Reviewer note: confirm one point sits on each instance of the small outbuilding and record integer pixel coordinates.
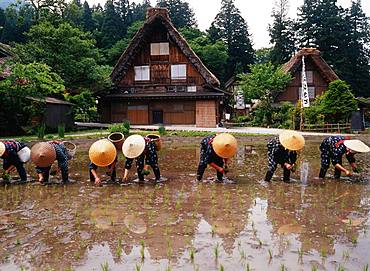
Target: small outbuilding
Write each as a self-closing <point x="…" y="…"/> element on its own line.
<point x="319" y="74"/>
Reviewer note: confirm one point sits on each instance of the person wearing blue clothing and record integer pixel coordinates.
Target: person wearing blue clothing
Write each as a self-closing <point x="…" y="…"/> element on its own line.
<point x="332" y="150"/>
<point x="215" y="151"/>
<point x="110" y="172"/>
<point x="282" y="151"/>
<point x="9" y="153"/>
<point x="143" y="151"/>
<point x="62" y="156"/>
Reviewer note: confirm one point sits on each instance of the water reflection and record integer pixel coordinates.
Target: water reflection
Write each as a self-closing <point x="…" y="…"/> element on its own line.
<point x="297" y="225"/>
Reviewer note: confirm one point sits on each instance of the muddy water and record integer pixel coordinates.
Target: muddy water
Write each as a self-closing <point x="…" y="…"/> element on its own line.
<point x="184" y="225"/>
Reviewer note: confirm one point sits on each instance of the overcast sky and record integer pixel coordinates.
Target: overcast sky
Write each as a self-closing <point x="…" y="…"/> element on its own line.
<point x="257" y="13"/>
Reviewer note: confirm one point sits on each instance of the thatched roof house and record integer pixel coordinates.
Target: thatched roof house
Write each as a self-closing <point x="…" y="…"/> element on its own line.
<point x="160" y="79"/>
<point x="319" y="75"/>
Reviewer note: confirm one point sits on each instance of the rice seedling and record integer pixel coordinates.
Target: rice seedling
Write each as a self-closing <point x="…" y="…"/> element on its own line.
<point x="119" y="251"/>
<point x="345" y="255"/>
<point x="243" y="256"/>
<point x="260" y="244"/>
<point x="366" y="267"/>
<point x="142" y="250"/>
<point x="324" y="253"/>
<point x="213" y="230"/>
<point x="270" y="254"/>
<point x="300" y="255"/>
<point x="222" y="267"/>
<point x="77" y="255"/>
<point x="354" y="240"/>
<point x="137" y="267"/>
<point x="168" y="268"/>
<point x="248" y="268"/>
<point x="282" y="267"/>
<point x="216" y="251"/>
<point x="169" y="249"/>
<point x="191" y="254"/>
<point x="17" y="242"/>
<point x="341" y="268"/>
<point x="104" y="266"/>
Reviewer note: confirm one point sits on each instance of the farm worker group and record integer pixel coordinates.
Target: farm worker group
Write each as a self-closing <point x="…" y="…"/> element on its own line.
<point x="215" y="151"/>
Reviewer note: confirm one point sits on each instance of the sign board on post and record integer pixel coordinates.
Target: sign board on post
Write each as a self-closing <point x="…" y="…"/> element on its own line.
<point x="305" y="96"/>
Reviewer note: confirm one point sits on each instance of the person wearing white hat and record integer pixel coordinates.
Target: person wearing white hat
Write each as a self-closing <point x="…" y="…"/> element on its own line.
<point x="9" y="151"/>
<point x="143" y="150"/>
<point x="333" y="148"/>
<point x="282" y="151"/>
<point x="45" y="160"/>
<point x="215" y="151"/>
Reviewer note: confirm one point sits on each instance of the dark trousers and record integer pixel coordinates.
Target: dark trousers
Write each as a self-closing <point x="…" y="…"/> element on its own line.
<point x="286" y="174"/>
<point x="202" y="167"/>
<point x="18" y="165"/>
<point x="45" y="171"/>
<point x="155" y="167"/>
<point x="112" y="175"/>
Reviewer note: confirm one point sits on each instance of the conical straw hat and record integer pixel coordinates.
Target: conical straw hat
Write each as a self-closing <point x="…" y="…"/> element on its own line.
<point x="2" y="148"/>
<point x="225" y="145"/>
<point x="43" y="154"/>
<point x="24" y="154"/>
<point x="133" y="146"/>
<point x="356" y="145"/>
<point x="102" y="153"/>
<point x="292" y="140"/>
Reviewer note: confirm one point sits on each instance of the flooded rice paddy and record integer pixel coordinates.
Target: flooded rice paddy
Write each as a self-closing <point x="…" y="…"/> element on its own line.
<point x="184" y="225"/>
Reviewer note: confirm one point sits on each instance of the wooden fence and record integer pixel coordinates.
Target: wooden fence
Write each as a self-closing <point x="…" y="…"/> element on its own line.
<point x="327" y="127"/>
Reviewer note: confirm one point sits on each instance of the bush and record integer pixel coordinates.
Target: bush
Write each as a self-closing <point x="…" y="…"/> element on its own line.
<point x="161" y="130"/>
<point x="241" y="119"/>
<point x="61" y="130"/>
<point x="123" y="128"/>
<point x="40" y="131"/>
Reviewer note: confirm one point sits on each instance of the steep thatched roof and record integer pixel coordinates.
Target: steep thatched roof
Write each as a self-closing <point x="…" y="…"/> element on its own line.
<point x="314" y="54"/>
<point x="155" y="15"/>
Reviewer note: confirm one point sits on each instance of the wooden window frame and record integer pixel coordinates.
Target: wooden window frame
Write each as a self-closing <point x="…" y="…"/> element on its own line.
<point x="139" y="72"/>
<point x="160" y="49"/>
<point x="175" y="72"/>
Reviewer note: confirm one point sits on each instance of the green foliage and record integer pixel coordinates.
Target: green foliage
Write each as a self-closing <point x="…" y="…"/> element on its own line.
<point x="61" y="130"/>
<point x="40" y="131"/>
<point x="26" y="81"/>
<point x="123" y="128"/>
<point x="180" y="12"/>
<point x="282" y="34"/>
<point x="68" y="50"/>
<point x="264" y="82"/>
<point x="230" y="27"/>
<point x="337" y="102"/>
<point x="85" y="106"/>
<point x="161" y="129"/>
<point x="213" y="54"/>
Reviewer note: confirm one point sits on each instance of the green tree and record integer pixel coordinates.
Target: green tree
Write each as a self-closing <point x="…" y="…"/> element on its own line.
<point x="113" y="53"/>
<point x="69" y="51"/>
<point x="112" y="26"/>
<point x="138" y="11"/>
<point x="18" y="20"/>
<point x="357" y="51"/>
<point x="73" y="13"/>
<point x="230" y="27"/>
<point x="337" y="103"/>
<point x="88" y="23"/>
<point x="180" y="12"/>
<point x="281" y="33"/>
<point x="26" y="81"/>
<point x="85" y="106"/>
<point x="263" y="55"/>
<point x="264" y="82"/>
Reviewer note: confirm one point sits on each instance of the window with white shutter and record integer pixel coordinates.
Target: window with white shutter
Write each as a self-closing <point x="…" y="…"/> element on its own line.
<point x="142" y="73"/>
<point x="178" y="72"/>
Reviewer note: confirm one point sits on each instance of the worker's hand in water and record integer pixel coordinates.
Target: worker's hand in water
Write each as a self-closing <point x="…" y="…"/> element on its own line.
<point x="41" y="179"/>
<point x="288" y="166"/>
<point x="348" y="173"/>
<point x="221" y="170"/>
<point x="97" y="181"/>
